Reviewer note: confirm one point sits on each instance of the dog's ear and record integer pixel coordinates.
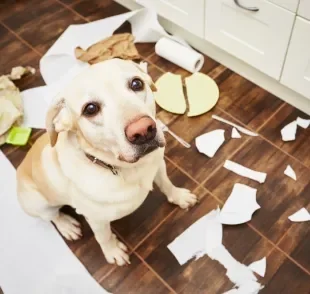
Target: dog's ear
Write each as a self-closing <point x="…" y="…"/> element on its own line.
<point x="142" y="66"/>
<point x="58" y="119"/>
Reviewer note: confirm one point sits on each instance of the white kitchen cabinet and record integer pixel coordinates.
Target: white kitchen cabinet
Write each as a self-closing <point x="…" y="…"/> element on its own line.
<point x="304" y="9"/>
<point x="296" y="72"/>
<point x="288" y="4"/>
<point x="258" y="38"/>
<point x="185" y="13"/>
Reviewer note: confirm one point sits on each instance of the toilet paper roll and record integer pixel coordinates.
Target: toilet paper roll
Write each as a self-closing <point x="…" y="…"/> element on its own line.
<point x="180" y="55"/>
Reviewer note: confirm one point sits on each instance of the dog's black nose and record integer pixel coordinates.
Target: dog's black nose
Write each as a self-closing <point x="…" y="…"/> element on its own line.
<point x="141" y="131"/>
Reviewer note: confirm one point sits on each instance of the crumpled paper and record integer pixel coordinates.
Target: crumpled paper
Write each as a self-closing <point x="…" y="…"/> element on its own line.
<point x="116" y="46"/>
<point x="11" y="104"/>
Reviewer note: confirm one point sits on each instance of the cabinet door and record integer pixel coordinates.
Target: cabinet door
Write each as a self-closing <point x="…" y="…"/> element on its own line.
<point x="288" y="4"/>
<point x="296" y="72"/>
<point x="187" y="14"/>
<point x="304" y="9"/>
<point x="259" y="38"/>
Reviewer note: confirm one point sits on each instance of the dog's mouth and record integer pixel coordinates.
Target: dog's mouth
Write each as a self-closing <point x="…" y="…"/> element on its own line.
<point x="143" y="150"/>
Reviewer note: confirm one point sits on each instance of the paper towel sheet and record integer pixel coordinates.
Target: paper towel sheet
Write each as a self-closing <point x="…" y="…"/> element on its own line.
<point x="33" y="257"/>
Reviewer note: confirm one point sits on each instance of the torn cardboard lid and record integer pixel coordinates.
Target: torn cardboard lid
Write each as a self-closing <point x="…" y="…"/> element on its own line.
<point x="116" y="46"/>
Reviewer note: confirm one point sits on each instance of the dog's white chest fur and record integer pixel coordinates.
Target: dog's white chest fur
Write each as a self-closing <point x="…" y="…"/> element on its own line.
<point x="99" y="194"/>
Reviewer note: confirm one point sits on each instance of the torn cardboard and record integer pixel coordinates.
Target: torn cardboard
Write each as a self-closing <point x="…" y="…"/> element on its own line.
<point x="116" y="46"/>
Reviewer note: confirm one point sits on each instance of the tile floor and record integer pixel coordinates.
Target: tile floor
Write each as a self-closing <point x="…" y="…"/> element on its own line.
<point x="28" y="28"/>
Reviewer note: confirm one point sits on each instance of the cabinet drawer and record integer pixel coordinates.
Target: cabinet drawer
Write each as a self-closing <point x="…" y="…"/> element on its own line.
<point x="296" y="71"/>
<point x="187" y="14"/>
<point x="259" y="38"/>
<point x="304" y="9"/>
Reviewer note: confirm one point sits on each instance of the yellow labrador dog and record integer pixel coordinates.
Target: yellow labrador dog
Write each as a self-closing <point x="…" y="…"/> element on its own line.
<point x="101" y="154"/>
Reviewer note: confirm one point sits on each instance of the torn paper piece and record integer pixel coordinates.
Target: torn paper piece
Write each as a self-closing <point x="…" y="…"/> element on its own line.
<point x="51" y="265"/>
<point x="245" y="172"/>
<point x="259" y="266"/>
<point x="289" y="131"/>
<point x="290" y="172"/>
<point x="202" y="93"/>
<point x="19" y="71"/>
<point x="235" y="134"/>
<point x="240" y="205"/>
<point x="169" y="94"/>
<point x="239" y="128"/>
<point x="209" y="143"/>
<point x="304" y="123"/>
<point x="204" y="235"/>
<point x="237" y="272"/>
<point x="301" y="215"/>
<point x="116" y="46"/>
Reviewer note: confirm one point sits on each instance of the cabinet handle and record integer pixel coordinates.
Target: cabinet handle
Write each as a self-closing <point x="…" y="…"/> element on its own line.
<point x="245" y="7"/>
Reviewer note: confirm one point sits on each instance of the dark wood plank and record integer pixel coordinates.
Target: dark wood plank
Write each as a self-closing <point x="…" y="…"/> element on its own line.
<point x="198" y="165"/>
<point x="40" y="23"/>
<point x="137" y="226"/>
<point x="288" y="279"/>
<point x="247" y="102"/>
<point x="279" y="196"/>
<point x="135" y="278"/>
<point x="203" y="275"/>
<point x="298" y="148"/>
<point x="297" y="240"/>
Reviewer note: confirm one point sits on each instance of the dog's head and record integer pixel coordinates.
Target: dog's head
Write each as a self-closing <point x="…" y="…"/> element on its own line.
<point x="110" y="107"/>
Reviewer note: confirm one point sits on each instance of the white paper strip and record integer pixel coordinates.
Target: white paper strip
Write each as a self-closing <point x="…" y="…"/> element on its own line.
<point x="259" y="266"/>
<point x="34" y="259"/>
<point x="301" y="215"/>
<point x="240" y="205"/>
<point x="304" y="123"/>
<point x="239" y="128"/>
<point x="290" y="172"/>
<point x="289" y="132"/>
<point x="245" y="172"/>
<point x="209" y="143"/>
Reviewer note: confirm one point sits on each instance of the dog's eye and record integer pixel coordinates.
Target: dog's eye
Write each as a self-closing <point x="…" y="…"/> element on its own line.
<point x="91" y="109"/>
<point x="136" y="84"/>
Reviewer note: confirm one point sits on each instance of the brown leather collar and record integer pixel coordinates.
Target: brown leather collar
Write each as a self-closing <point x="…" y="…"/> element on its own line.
<point x="101" y="163"/>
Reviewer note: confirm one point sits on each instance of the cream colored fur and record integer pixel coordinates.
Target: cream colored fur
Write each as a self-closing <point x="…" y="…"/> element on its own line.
<point x="56" y="171"/>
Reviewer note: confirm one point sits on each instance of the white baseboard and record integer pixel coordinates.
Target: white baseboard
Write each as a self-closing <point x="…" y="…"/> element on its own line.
<point x="233" y="63"/>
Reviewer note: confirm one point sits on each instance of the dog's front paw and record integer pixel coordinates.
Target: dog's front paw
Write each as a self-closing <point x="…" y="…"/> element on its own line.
<point x="116" y="252"/>
<point x="182" y="197"/>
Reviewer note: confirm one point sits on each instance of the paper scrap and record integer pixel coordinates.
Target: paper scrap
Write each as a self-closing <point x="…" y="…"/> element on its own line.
<point x="31" y="250"/>
<point x="239" y="128"/>
<point x="301" y="215"/>
<point x="302" y="122"/>
<point x="202" y="93"/>
<point x="240" y="205"/>
<point x="251" y="287"/>
<point x="116" y="46"/>
<point x="202" y="236"/>
<point x="235" y="134"/>
<point x="290" y="172"/>
<point x="169" y="94"/>
<point x="209" y="143"/>
<point x="289" y="131"/>
<point x="259" y="266"/>
<point x="245" y="172"/>
<point x="205" y="237"/>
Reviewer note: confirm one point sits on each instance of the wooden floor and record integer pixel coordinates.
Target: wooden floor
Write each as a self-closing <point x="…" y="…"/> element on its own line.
<point x="28" y="28"/>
